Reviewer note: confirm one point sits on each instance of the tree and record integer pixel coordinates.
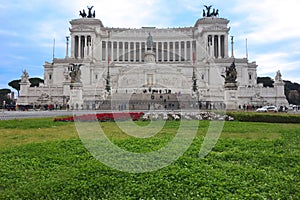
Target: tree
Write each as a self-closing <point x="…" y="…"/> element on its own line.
<point x="294" y="97"/>
<point x="5" y="91"/>
<point x="292" y="92"/>
<point x="15" y="84"/>
<point x="266" y="81"/>
<point x="35" y="81"/>
<point x="194" y="79"/>
<point x="4" y="97"/>
<point x="107" y="86"/>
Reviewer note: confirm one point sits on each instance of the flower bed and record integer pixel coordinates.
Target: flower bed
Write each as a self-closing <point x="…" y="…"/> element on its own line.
<point x="121" y="116"/>
<point x="186" y="116"/>
<point x="102" y="117"/>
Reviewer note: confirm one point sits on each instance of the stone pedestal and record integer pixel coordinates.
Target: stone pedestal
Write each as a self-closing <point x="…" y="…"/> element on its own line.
<point x="76" y="101"/>
<point x="231" y="96"/>
<point x="149" y="56"/>
<point x="66" y="88"/>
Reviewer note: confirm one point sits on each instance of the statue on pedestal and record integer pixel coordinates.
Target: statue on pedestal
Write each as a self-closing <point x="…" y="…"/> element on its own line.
<point x="230" y="94"/>
<point x="230" y="74"/>
<point x="149" y="42"/>
<point x="278" y="76"/>
<point x="75" y="73"/>
<point x="25" y="77"/>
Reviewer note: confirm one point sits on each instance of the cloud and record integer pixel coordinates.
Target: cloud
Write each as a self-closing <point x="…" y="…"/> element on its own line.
<point x="9" y="33"/>
<point x="273" y="35"/>
<point x="269" y="63"/>
<point x="141" y="15"/>
<point x="121" y="13"/>
<point x="269" y="21"/>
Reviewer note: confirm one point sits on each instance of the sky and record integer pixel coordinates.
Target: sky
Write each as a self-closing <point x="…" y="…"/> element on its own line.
<point x="28" y="29"/>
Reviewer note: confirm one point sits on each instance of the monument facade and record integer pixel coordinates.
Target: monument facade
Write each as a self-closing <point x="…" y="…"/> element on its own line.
<point x="149" y="61"/>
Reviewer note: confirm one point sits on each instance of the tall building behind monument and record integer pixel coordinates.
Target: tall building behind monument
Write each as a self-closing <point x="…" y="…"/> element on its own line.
<point x="149" y="61"/>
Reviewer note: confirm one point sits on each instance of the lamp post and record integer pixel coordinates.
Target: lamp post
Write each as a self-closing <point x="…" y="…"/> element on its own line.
<point x="3" y="106"/>
<point x="107" y="86"/>
<point x="63" y="97"/>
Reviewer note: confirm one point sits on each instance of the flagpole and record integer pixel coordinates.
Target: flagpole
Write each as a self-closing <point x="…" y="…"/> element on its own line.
<point x="247" y="48"/>
<point x="53" y="50"/>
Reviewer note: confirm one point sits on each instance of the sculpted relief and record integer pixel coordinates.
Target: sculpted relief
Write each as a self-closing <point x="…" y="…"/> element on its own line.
<point x="129" y="81"/>
<point x="168" y="80"/>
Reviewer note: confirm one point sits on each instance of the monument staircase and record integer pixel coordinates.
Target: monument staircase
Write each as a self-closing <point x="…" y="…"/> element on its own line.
<point x="146" y="101"/>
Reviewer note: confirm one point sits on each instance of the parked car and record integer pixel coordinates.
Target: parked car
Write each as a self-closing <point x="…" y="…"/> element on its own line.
<point x="282" y="109"/>
<point x="11" y="107"/>
<point x="267" y="109"/>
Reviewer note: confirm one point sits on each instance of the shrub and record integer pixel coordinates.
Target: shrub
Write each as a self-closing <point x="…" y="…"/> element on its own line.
<point x="265" y="117"/>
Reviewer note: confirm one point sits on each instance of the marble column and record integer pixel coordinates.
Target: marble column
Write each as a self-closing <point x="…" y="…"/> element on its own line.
<point x="213" y="46"/>
<point x="226" y="46"/>
<point x="191" y="50"/>
<point x="174" y="51"/>
<point x="123" y="49"/>
<point x="112" y="51"/>
<point x="162" y="52"/>
<point x="106" y="51"/>
<point x="73" y="47"/>
<point x="168" y="51"/>
<point x="134" y="51"/>
<point x="79" y="46"/>
<point x="185" y="50"/>
<point x="118" y="51"/>
<point x="140" y="50"/>
<point x="85" y="45"/>
<point x="179" y="51"/>
<point x="156" y="50"/>
<point x="219" y="45"/>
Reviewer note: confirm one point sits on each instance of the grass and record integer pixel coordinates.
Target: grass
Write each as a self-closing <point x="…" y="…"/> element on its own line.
<point x="25" y="131"/>
<point x="40" y="159"/>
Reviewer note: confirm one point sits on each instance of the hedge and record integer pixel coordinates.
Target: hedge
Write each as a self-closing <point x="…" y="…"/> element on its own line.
<point x="265" y="117"/>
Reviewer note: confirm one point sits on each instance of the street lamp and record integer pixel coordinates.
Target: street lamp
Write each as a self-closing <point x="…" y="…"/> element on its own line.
<point x="3" y="106"/>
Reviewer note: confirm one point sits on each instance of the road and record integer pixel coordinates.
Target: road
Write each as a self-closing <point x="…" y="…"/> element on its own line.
<point x="7" y="115"/>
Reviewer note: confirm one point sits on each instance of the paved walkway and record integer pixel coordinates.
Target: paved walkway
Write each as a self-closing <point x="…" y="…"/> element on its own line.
<point x="7" y="115"/>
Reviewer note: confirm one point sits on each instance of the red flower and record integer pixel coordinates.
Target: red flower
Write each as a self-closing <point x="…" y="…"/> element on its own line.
<point x="102" y="117"/>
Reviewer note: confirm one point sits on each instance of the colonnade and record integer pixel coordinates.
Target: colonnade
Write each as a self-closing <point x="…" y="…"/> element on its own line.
<point x="217" y="45"/>
<point x="128" y="51"/>
<point x="132" y="51"/>
<point x="81" y="46"/>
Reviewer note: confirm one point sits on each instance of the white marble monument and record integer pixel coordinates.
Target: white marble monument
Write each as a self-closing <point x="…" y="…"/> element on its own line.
<point x="162" y="59"/>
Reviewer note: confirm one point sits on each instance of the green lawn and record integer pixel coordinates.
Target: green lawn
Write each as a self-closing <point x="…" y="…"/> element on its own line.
<point x="40" y="159"/>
